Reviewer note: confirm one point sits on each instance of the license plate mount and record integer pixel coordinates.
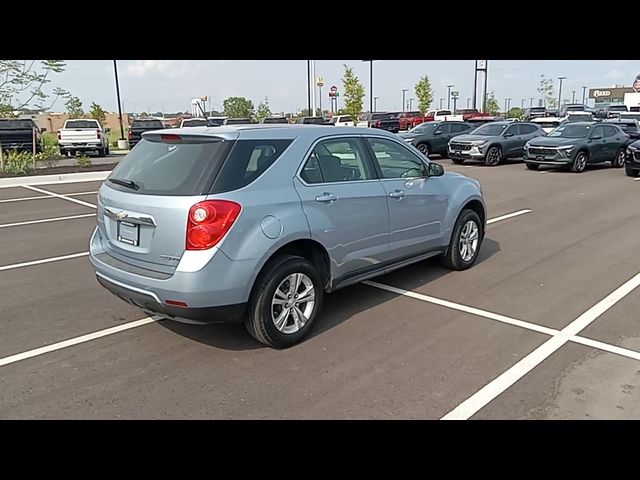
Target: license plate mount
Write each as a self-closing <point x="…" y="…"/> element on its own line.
<point x="129" y="233"/>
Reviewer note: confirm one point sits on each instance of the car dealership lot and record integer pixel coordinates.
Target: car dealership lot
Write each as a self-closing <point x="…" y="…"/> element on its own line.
<point x="422" y="342"/>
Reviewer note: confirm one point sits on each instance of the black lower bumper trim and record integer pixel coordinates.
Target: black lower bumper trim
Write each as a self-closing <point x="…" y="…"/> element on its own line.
<point x="202" y="315"/>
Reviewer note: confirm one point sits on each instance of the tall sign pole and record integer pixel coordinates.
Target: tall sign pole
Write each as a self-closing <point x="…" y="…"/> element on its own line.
<point x="115" y="69"/>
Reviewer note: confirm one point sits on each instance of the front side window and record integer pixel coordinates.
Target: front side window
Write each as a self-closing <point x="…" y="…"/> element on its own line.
<point x="396" y="161"/>
<point x="336" y="160"/>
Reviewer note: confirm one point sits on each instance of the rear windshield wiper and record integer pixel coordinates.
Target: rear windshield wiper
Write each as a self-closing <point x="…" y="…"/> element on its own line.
<point x="125" y="183"/>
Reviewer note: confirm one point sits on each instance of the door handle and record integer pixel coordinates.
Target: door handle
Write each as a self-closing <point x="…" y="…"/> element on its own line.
<point x="399" y="194"/>
<point x="326" y="198"/>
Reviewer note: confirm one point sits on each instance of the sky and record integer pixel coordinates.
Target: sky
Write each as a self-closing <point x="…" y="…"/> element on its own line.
<point x="169" y="85"/>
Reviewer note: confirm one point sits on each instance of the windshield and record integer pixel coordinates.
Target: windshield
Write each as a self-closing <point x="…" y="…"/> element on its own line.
<point x="81" y="124"/>
<point x="424" y="128"/>
<point x="538" y="109"/>
<point x="548" y="124"/>
<point x="571" y="131"/>
<point x="490" y="129"/>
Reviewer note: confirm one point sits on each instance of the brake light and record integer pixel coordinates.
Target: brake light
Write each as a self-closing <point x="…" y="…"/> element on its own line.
<point x="378" y="124"/>
<point x="130" y="134"/>
<point x="209" y="221"/>
<point x="59" y="136"/>
<point x="98" y="134"/>
<point x="171" y="137"/>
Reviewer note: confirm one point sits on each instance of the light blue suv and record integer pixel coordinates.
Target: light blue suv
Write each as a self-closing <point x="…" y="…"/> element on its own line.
<point x="255" y="223"/>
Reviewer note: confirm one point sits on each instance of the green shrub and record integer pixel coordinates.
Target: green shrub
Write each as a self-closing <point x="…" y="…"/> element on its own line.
<point x="83" y="161"/>
<point x="49" y="156"/>
<point x="50" y="138"/>
<point x="17" y="163"/>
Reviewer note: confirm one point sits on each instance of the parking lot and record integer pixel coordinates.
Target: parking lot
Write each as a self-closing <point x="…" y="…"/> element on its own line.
<point x="543" y="326"/>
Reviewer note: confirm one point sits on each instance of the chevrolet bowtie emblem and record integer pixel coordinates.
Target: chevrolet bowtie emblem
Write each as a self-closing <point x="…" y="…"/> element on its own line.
<point x="121" y="215"/>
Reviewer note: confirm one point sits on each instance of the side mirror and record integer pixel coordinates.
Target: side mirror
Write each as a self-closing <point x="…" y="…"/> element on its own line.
<point x="596" y="137"/>
<point x="507" y="135"/>
<point x="438" y="132"/>
<point x="435" y="169"/>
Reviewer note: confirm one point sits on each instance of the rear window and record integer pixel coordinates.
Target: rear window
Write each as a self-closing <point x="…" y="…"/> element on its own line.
<point x="81" y="124"/>
<point x="628" y="126"/>
<point x="147" y="124"/>
<point x="195" y="123"/>
<point x="176" y="169"/>
<point x="15" y="124"/>
<point x="275" y="120"/>
<point x="237" y="121"/>
<point x="382" y="116"/>
<point x="248" y="159"/>
<point x="618" y="108"/>
<point x="444" y="112"/>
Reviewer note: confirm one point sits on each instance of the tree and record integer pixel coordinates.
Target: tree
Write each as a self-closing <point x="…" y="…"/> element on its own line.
<point x="98" y="114"/>
<point x="263" y="110"/>
<point x="492" y="104"/>
<point x="74" y="107"/>
<point x="353" y="94"/>
<point x="23" y="82"/>
<point x="238" y="107"/>
<point x="424" y="94"/>
<point x="514" y="112"/>
<point x="545" y="89"/>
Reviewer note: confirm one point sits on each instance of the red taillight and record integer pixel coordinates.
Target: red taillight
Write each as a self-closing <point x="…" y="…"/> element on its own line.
<point x="209" y="221"/>
<point x="177" y="303"/>
<point x="130" y="134"/>
<point x="171" y="137"/>
<point x="59" y="137"/>
<point x="97" y="133"/>
<point x="378" y="123"/>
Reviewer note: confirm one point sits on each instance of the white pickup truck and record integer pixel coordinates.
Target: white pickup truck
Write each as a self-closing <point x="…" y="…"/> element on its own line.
<point x="81" y="135"/>
<point x="346" y="121"/>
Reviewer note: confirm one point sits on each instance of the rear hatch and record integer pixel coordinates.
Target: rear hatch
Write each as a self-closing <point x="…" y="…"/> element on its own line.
<point x="15" y="133"/>
<point x="144" y="204"/>
<point x="80" y="131"/>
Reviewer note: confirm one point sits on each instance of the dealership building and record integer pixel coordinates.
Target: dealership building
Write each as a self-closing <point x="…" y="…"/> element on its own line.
<point x="609" y="95"/>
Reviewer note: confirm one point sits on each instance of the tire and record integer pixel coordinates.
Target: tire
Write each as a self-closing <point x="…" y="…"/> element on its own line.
<point x="102" y="152"/>
<point x="618" y="160"/>
<point x="455" y="256"/>
<point x="457" y="161"/>
<point x="630" y="171"/>
<point x="263" y="313"/>
<point x="532" y="166"/>
<point x="107" y="151"/>
<point x="493" y="156"/>
<point x="424" y="148"/>
<point x="580" y="162"/>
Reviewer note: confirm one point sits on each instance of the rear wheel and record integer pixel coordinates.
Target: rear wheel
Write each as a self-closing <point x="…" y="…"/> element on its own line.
<point x="492" y="158"/>
<point x="630" y="171"/>
<point x="107" y="151"/>
<point x="465" y="241"/>
<point x="618" y="161"/>
<point x="580" y="163"/>
<point x="285" y="302"/>
<point x="533" y="166"/>
<point x="102" y="152"/>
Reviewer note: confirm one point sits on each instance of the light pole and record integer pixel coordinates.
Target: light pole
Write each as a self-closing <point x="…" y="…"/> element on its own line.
<point x="584" y="93"/>
<point x="522" y="104"/>
<point x="404" y="92"/>
<point x="411" y="104"/>
<point x="531" y="101"/>
<point x="468" y="100"/>
<point x="115" y="70"/>
<point x="573" y="100"/>
<point x="371" y="106"/>
<point x="560" y="91"/>
<point x="375" y="104"/>
<point x="441" y="103"/>
<point x="449" y="96"/>
<point x="309" y="86"/>
<point x="505" y="106"/>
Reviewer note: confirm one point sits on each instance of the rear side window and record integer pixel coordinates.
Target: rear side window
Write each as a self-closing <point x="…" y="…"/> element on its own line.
<point x="610" y="131"/>
<point x="526" y="129"/>
<point x="247" y="160"/>
<point x="174" y="169"/>
<point x="81" y="124"/>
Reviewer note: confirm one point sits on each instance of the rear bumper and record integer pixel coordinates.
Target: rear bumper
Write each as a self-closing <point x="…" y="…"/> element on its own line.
<point x="148" y="302"/>
<point x="80" y="146"/>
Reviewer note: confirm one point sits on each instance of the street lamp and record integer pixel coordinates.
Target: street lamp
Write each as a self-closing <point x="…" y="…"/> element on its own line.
<point x="560" y="91"/>
<point x="371" y="106"/>
<point x="522" y="104"/>
<point x="411" y="104"/>
<point x="468" y="100"/>
<point x="506" y="100"/>
<point x="115" y="70"/>
<point x="441" y="103"/>
<point x="449" y="96"/>
<point x="375" y="104"/>
<point x="309" y="86"/>
<point x="531" y="101"/>
<point x="404" y="92"/>
<point x="584" y="93"/>
<point x="573" y="100"/>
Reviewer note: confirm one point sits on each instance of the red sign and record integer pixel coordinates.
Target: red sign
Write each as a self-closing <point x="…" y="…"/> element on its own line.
<point x="334" y="89"/>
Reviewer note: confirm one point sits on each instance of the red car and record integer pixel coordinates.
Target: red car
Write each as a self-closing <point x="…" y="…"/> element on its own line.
<point x="468" y="113"/>
<point x="406" y="119"/>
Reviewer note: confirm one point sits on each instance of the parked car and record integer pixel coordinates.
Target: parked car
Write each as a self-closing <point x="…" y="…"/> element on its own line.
<point x="346" y="121"/>
<point x="313" y="121"/>
<point x="629" y="126"/>
<point x="138" y="127"/>
<point x="406" y="119"/>
<point x="216" y="121"/>
<point x="83" y="135"/>
<point x="194" y="122"/>
<point x="534" y="112"/>
<point x="237" y="121"/>
<point x="630" y="115"/>
<point x="477" y="121"/>
<point x="547" y="124"/>
<point x="553" y="112"/>
<point x="632" y="160"/>
<point x="578" y="116"/>
<point x="384" y="121"/>
<point x="571" y="107"/>
<point x="18" y="134"/>
<point x="468" y="113"/>
<point x="612" y="111"/>
<point x="575" y="145"/>
<point x="433" y="137"/>
<point x="493" y="142"/>
<point x="440" y="115"/>
<point x="275" y="120"/>
<point x="255" y="225"/>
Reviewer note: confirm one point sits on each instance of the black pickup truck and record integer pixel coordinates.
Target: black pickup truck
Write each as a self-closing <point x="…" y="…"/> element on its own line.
<point x="17" y="134"/>
<point x="138" y="127"/>
<point x="385" y="121"/>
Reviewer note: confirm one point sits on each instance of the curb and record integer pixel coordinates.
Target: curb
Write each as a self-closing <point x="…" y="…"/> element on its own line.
<point x="49" y="179"/>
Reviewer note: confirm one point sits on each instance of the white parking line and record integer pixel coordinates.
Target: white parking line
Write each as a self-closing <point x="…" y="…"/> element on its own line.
<point x="486" y="394"/>
<point x="508" y="215"/>
<point x="42" y="197"/>
<point x="625" y="352"/>
<point x="44" y="260"/>
<point x="75" y="341"/>
<point x="57" y="195"/>
<point x="47" y="220"/>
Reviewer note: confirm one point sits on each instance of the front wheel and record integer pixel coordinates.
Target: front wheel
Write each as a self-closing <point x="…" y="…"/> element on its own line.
<point x="285" y="302"/>
<point x="630" y="171"/>
<point x="618" y="161"/>
<point x="492" y="157"/>
<point x="533" y="166"/>
<point x="424" y="148"/>
<point x="465" y="241"/>
<point x="580" y="163"/>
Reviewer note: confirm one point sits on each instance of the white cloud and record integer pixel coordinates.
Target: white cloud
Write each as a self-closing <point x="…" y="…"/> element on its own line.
<point x="164" y="68"/>
<point x="615" y="74"/>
